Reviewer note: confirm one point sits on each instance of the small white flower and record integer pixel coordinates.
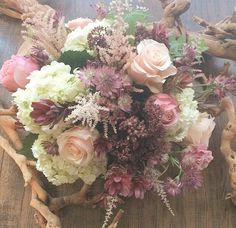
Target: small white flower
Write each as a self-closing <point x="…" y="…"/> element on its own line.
<point x="54" y="82"/>
<point x="77" y="39"/>
<point x="59" y="171"/>
<point x="189" y="114"/>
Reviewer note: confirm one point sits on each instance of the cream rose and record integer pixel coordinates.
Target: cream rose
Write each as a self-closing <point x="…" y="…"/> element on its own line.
<point x="76" y="145"/>
<point x="152" y="65"/>
<point x="200" y="132"/>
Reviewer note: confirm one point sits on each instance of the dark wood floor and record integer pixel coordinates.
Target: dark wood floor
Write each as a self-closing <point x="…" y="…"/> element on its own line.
<point x="205" y="208"/>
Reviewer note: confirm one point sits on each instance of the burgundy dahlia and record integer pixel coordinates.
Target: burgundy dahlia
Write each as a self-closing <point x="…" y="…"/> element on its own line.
<point x="141" y="184"/>
<point x="46" y="112"/>
<point x="159" y="33"/>
<point x="225" y="84"/>
<point x="118" y="182"/>
<point x="50" y="148"/>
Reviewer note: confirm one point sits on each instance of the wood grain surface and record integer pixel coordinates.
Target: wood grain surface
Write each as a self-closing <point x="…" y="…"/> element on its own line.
<point x="205" y="208"/>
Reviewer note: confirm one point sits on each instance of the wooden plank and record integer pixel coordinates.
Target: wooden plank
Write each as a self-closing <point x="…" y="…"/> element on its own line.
<point x="205" y="208"/>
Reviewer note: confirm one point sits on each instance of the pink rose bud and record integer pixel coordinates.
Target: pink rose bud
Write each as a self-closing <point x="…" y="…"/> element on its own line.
<point x="79" y="22"/>
<point x="169" y="109"/>
<point x="152" y="65"/>
<point x="15" y="71"/>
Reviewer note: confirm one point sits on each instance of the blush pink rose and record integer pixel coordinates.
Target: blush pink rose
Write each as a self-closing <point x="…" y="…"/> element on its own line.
<point x="79" y="22"/>
<point x="152" y="65"/>
<point x="169" y="108"/>
<point x="77" y="145"/>
<point x="15" y="71"/>
<point x="200" y="132"/>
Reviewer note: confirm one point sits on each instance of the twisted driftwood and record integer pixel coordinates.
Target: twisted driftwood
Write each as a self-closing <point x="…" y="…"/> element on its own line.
<point x="45" y="205"/>
<point x="227" y="138"/>
<point x="221" y="41"/>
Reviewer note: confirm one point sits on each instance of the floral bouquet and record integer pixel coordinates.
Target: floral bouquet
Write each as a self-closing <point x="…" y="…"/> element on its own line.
<point x="118" y="98"/>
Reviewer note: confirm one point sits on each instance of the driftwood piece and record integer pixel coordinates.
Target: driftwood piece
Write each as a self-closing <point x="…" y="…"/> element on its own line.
<point x="41" y="201"/>
<point x="220" y="37"/>
<point x="221" y="41"/>
<point x="227" y="138"/>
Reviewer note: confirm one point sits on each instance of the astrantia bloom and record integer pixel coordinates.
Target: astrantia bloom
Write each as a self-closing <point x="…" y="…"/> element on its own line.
<point x="107" y="81"/>
<point x="118" y="182"/>
<point x="192" y="178"/>
<point x="173" y="187"/>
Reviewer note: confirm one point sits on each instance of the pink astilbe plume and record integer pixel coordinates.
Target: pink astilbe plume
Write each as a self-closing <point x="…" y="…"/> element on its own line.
<point x="46" y="29"/>
<point x="118" y="50"/>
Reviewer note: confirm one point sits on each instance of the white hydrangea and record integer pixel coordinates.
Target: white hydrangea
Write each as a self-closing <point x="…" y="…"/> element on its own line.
<point x="189" y="114"/>
<point x="54" y="82"/>
<point x="77" y="39"/>
<point x="59" y="171"/>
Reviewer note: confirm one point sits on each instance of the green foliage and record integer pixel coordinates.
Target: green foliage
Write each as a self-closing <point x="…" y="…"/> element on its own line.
<point x="132" y="17"/>
<point x="200" y="47"/>
<point x="177" y="47"/>
<point x="75" y="58"/>
<point x="135" y="16"/>
<point x="27" y="145"/>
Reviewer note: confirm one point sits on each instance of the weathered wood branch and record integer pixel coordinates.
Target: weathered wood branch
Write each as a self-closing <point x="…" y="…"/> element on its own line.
<point x="228" y="135"/>
<point x="220" y="37"/>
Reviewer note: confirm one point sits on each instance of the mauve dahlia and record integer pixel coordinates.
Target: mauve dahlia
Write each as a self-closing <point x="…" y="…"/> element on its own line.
<point x="46" y="112"/>
<point x="141" y="184"/>
<point x="118" y="182"/>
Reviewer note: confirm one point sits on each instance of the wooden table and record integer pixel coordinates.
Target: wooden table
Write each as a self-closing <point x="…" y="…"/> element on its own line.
<point x="205" y="208"/>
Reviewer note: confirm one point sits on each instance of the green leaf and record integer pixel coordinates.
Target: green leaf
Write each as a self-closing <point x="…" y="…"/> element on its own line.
<point x="176" y="46"/>
<point x="134" y="16"/>
<point x="27" y="145"/>
<point x="75" y="58"/>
